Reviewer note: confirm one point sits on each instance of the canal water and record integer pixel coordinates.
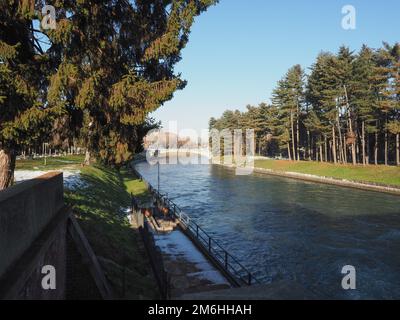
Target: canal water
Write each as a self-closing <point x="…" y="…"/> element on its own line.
<point x="285" y="229"/>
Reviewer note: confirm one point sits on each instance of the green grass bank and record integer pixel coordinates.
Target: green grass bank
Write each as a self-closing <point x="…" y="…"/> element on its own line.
<point x="100" y="208"/>
<point x="385" y="175"/>
<point x="52" y="163"/>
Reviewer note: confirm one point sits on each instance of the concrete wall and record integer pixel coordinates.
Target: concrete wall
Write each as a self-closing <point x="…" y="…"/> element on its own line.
<point x="28" y="280"/>
<point x="30" y="236"/>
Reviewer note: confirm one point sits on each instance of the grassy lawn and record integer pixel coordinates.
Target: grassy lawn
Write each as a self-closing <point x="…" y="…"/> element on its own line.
<point x="100" y="209"/>
<point x="388" y="175"/>
<point x="67" y="162"/>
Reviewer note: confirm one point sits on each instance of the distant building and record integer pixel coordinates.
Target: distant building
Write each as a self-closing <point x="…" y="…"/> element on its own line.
<point x="168" y="140"/>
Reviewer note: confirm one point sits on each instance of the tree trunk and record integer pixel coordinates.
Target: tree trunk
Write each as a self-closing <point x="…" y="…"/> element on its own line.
<point x="312" y="150"/>
<point x="326" y="148"/>
<point x="298" y="131"/>
<point x="398" y="149"/>
<point x="342" y="151"/>
<point x="87" y="158"/>
<point x="351" y="132"/>
<point x="386" y="148"/>
<point x="358" y="149"/>
<point x="7" y="167"/>
<point x="320" y="153"/>
<point x="309" y="146"/>
<point x="368" y="148"/>
<point x="353" y="153"/>
<point x="363" y="143"/>
<point x="293" y="138"/>
<point x="341" y="145"/>
<point x="334" y="145"/>
<point x="288" y="150"/>
<point x="376" y="148"/>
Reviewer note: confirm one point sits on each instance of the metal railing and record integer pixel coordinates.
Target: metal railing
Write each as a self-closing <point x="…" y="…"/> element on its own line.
<point x="153" y="251"/>
<point x="223" y="258"/>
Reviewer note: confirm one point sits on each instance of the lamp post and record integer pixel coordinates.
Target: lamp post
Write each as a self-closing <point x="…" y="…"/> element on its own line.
<point x="45" y="147"/>
<point x="156" y="154"/>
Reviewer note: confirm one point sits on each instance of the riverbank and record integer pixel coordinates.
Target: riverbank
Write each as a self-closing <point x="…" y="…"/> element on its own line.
<point x="378" y="178"/>
<point x="372" y="178"/>
<point x="102" y="210"/>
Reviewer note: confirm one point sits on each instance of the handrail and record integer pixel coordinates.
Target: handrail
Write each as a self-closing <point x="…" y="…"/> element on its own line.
<point x="224" y="259"/>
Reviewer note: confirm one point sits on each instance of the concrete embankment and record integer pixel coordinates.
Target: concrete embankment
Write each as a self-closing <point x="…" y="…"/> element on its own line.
<point x="177" y="263"/>
<point x="325" y="180"/>
<point x="280" y="290"/>
<point x="189" y="270"/>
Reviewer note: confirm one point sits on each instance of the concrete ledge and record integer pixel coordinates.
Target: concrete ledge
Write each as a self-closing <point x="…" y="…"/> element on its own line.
<point x="282" y="290"/>
<point x="25" y="210"/>
<point x="325" y="180"/>
<point x="331" y="181"/>
<point x="230" y="278"/>
<point x="23" y="280"/>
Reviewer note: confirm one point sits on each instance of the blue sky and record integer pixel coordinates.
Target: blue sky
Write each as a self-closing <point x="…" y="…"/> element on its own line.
<point x="239" y="49"/>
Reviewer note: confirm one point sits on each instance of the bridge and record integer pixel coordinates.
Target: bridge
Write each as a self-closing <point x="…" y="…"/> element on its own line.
<point x="184" y="152"/>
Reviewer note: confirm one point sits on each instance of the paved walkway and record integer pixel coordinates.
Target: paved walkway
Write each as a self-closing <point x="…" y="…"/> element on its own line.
<point x="189" y="270"/>
<point x="281" y="290"/>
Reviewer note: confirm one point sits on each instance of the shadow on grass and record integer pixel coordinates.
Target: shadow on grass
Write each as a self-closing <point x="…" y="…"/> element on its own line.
<point x="101" y="210"/>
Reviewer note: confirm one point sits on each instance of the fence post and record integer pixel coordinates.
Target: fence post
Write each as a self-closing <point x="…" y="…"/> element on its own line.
<point x="197" y="231"/>
<point x="226" y="260"/>
<point x="209" y="244"/>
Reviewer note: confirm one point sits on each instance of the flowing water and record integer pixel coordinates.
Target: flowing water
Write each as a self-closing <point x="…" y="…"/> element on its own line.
<point x="285" y="229"/>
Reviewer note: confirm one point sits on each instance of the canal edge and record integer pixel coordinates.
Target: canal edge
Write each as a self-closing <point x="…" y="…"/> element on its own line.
<point x="324" y="180"/>
<point x="230" y="278"/>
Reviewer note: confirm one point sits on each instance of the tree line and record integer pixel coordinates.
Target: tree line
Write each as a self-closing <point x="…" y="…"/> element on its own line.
<point x="93" y="79"/>
<point x="346" y="109"/>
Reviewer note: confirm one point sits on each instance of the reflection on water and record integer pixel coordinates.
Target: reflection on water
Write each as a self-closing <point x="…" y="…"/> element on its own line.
<point x="288" y="229"/>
